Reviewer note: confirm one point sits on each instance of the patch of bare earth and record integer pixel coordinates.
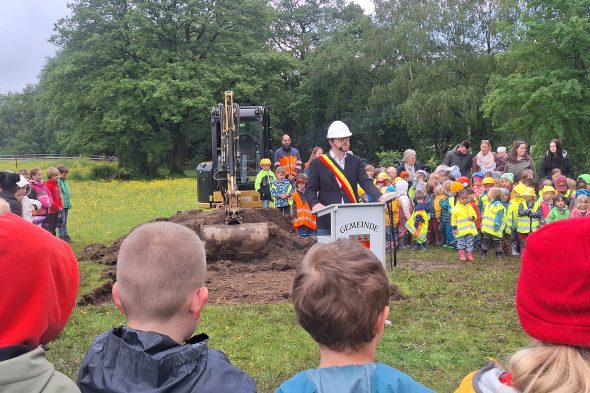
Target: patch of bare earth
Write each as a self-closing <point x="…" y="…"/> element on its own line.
<point x="265" y="278"/>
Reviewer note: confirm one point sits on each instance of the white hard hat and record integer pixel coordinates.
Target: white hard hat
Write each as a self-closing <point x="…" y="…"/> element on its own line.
<point x="338" y="130"/>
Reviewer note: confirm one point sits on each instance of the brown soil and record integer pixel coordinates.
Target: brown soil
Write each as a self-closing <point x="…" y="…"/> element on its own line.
<point x="264" y="278"/>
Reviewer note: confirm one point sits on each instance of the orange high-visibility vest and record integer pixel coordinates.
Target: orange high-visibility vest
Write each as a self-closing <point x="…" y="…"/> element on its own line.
<point x="290" y="163"/>
<point x="304" y="216"/>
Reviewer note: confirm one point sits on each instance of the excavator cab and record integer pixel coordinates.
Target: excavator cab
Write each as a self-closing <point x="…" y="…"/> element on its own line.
<point x="253" y="144"/>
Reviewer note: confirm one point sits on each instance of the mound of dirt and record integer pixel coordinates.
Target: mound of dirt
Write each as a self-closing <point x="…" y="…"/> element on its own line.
<point x="264" y="278"/>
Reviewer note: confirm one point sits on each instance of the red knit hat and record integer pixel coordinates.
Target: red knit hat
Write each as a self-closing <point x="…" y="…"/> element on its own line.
<point x="38" y="283"/>
<point x="553" y="290"/>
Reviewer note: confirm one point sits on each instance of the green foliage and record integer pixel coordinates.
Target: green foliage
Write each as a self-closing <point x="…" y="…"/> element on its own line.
<point x="545" y="92"/>
<point x="389" y="158"/>
<point x="137" y="79"/>
<point x="102" y="172"/>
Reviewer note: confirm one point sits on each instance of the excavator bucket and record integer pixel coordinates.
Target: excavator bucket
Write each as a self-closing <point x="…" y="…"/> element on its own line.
<point x="234" y="241"/>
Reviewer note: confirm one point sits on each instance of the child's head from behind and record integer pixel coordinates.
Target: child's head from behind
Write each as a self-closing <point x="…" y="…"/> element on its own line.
<point x="419" y="196"/>
<point x="341" y="295"/>
<point x="494" y="193"/>
<point x="439" y="190"/>
<point x="160" y="268"/>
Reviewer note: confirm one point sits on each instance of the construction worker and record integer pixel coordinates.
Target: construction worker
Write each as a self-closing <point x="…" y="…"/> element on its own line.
<point x="288" y="157"/>
<point x="334" y="177"/>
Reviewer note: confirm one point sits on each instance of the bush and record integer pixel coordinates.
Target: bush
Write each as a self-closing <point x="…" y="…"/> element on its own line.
<point x="102" y="172"/>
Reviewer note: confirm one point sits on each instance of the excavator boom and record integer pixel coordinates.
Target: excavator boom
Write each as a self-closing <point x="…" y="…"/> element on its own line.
<point x="235" y="239"/>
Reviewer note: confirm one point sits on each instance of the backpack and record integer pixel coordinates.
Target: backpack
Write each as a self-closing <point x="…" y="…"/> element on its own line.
<point x="264" y="189"/>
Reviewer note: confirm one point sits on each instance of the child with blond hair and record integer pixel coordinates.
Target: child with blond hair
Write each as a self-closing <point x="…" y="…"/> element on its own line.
<point x="281" y="190"/>
<point x="340" y="295"/>
<point x="552" y="303"/>
<point x="580" y="209"/>
<point x="463" y="221"/>
<point x="493" y="223"/>
<point x="56" y="206"/>
<point x="160" y="288"/>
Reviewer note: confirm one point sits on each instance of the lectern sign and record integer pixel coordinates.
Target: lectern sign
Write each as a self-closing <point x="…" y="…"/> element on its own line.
<point x="363" y="222"/>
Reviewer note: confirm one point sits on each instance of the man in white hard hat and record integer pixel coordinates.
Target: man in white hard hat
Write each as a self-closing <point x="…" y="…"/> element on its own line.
<point x="334" y="177"/>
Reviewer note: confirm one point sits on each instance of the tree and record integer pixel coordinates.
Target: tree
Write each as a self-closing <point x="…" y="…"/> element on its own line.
<point x="544" y="91"/>
<point x="138" y="78"/>
<point x="433" y="60"/>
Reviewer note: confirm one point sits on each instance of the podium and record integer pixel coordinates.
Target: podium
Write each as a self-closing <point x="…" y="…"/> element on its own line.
<point x="363" y="222"/>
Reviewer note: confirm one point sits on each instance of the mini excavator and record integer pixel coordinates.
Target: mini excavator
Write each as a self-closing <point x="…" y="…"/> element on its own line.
<point x="238" y="144"/>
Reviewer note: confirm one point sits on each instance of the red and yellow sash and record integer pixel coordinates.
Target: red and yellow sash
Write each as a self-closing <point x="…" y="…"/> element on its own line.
<point x="339" y="176"/>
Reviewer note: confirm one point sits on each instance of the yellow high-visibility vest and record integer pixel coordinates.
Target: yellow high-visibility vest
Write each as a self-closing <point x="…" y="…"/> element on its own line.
<point x="526" y="224"/>
<point x="489" y="219"/>
<point x="460" y="217"/>
<point x="420" y="232"/>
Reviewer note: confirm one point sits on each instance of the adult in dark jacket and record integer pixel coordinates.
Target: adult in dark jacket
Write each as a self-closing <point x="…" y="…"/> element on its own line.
<point x="518" y="160"/>
<point x="556" y="158"/>
<point x="324" y="189"/>
<point x="410" y="165"/>
<point x="8" y="187"/>
<point x="461" y="157"/>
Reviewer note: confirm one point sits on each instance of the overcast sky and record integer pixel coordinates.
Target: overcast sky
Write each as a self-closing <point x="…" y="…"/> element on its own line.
<point x="25" y="27"/>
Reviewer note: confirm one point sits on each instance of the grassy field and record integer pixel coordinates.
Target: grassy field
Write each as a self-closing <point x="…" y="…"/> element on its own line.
<point x="453" y="317"/>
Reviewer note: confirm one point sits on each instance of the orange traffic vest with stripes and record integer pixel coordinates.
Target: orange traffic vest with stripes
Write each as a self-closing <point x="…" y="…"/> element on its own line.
<point x="304" y="216"/>
<point x="290" y="164"/>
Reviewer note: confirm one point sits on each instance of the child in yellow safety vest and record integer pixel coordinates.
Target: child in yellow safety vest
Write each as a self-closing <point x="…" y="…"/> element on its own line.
<point x="417" y="224"/>
<point x="512" y="218"/>
<point x="463" y="222"/>
<point x="493" y="223"/>
<point x="304" y="222"/>
<point x="529" y="216"/>
<point x="506" y="243"/>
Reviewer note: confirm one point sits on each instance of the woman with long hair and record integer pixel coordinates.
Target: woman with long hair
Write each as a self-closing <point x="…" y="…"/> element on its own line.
<point x="518" y="159"/>
<point x="315" y="153"/>
<point x="556" y="158"/>
<point x="485" y="160"/>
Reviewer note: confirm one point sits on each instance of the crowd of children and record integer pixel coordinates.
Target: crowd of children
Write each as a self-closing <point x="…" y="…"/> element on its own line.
<point x="340" y="295"/>
<point x="487" y="210"/>
<point x="278" y="192"/>
<point x="45" y="204"/>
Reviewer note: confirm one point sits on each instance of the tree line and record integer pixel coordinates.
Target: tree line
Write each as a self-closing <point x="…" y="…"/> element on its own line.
<point x="138" y="78"/>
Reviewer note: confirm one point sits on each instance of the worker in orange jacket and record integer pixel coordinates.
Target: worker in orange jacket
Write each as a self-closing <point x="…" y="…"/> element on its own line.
<point x="288" y="157"/>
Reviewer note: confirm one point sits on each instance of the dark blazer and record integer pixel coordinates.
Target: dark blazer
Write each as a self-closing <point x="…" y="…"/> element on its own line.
<point x="322" y="186"/>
